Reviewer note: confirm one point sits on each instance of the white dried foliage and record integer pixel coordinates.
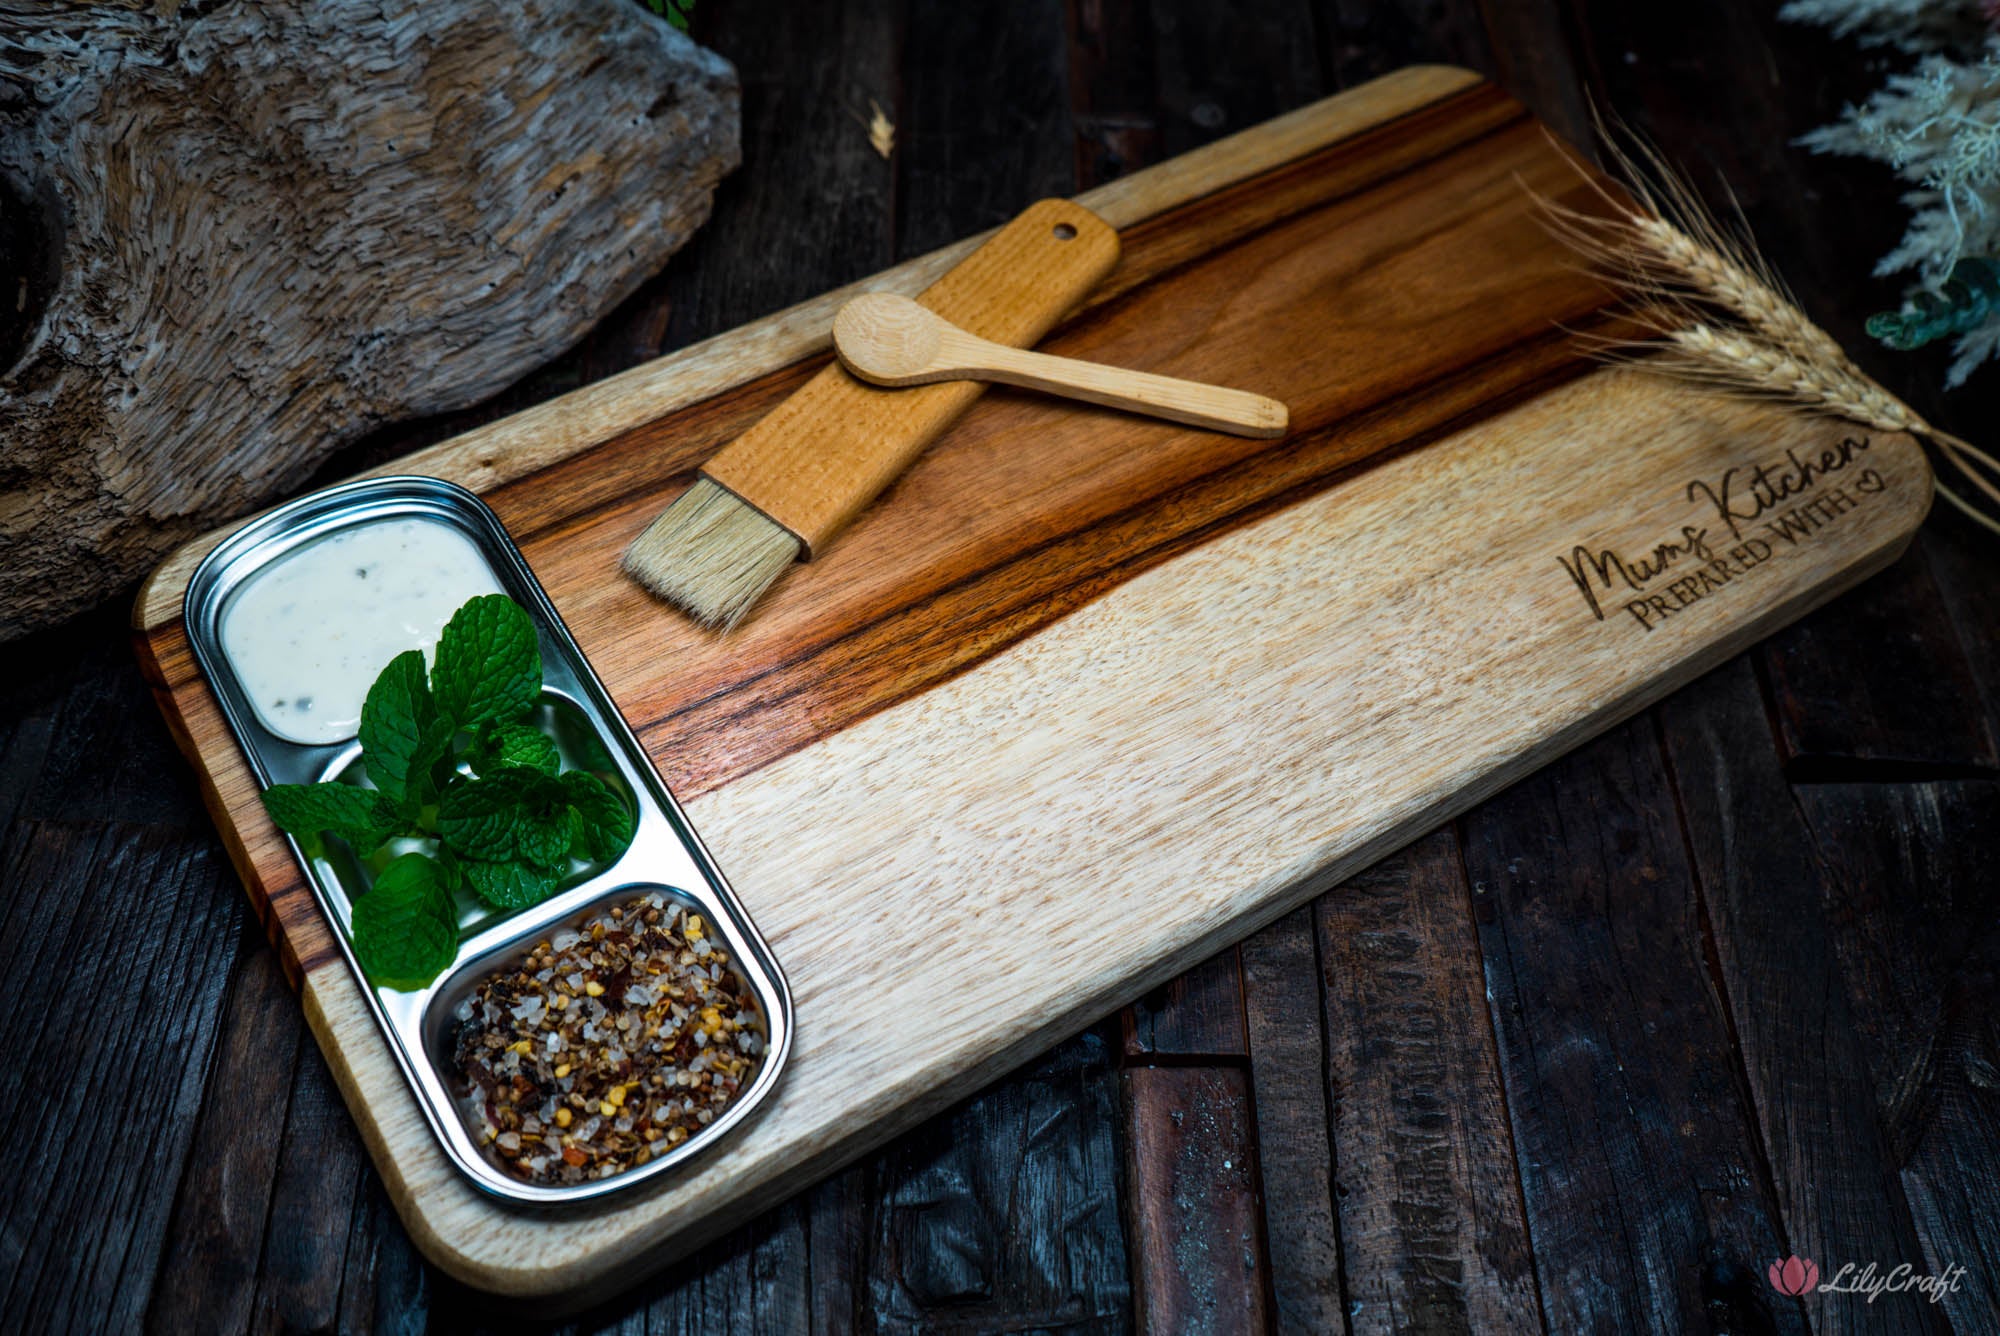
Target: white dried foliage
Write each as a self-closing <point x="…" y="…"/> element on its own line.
<point x="1913" y="25"/>
<point x="1937" y="127"/>
<point x="1971" y="350"/>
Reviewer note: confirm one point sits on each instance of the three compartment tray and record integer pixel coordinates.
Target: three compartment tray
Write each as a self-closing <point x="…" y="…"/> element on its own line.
<point x="665" y="856"/>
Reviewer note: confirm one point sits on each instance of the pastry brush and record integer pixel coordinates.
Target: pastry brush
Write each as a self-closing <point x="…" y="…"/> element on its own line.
<point x="784" y="489"/>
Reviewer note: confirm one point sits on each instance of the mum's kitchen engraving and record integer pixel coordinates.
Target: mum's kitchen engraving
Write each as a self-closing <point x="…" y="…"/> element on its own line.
<point x="1742" y="519"/>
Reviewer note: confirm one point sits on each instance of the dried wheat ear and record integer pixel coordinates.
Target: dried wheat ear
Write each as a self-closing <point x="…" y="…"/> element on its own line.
<point x="1721" y="317"/>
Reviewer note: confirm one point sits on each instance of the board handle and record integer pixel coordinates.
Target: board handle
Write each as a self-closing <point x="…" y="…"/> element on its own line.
<point x="816" y="460"/>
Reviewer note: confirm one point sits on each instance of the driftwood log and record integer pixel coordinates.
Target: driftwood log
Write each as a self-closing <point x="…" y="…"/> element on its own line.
<point x="237" y="235"/>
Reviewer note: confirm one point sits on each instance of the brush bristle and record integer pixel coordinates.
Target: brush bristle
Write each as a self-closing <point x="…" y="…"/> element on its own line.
<point x="711" y="554"/>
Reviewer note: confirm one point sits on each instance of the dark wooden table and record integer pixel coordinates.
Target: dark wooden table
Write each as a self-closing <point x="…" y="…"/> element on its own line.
<point x="1717" y="988"/>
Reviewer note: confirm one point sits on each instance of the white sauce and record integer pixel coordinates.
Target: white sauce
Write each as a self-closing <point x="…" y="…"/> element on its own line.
<point x="308" y="635"/>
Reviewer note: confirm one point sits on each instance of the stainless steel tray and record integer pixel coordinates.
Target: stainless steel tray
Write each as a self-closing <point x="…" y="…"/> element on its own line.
<point x="665" y="855"/>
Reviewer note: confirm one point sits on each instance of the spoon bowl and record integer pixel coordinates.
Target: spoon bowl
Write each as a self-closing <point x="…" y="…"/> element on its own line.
<point x="890" y="340"/>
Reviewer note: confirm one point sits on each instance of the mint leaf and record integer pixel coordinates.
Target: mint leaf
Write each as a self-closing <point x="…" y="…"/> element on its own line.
<point x="476" y="817"/>
<point x="600" y="822"/>
<point x="510" y="885"/>
<point x="406" y="927"/>
<point x="541" y="831"/>
<point x="519" y="745"/>
<point x="451" y="869"/>
<point x="512" y="813"/>
<point x="362" y="817"/>
<point x="433" y="748"/>
<point x="489" y="664"/>
<point x="394" y="718"/>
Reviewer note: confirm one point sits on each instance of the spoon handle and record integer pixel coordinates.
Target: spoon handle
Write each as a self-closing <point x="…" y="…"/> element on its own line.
<point x="1236" y="411"/>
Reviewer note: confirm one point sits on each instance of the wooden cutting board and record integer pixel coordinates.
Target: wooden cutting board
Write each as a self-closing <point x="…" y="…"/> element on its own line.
<point x="1085" y="698"/>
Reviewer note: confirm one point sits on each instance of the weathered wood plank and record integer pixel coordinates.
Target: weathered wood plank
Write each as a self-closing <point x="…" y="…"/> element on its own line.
<point x="1432" y="1232"/>
<point x="385" y="1288"/>
<point x="315" y="1200"/>
<point x="91" y="744"/>
<point x="1288" y="1087"/>
<point x="1962" y="561"/>
<point x="838" y="1229"/>
<point x="1197" y="1015"/>
<point x="1002" y="1214"/>
<point x="1535" y="59"/>
<point x="817" y="209"/>
<point x="114" y="942"/>
<point x="1219" y="68"/>
<point x="1767" y="898"/>
<point x="223" y="1205"/>
<point x="1114" y="108"/>
<point x="1639" y="1161"/>
<point x="1726" y="88"/>
<point x="984" y="129"/>
<point x="1363" y="39"/>
<point x="1915" y="926"/>
<point x="754" y="1280"/>
<point x="1191" y="1183"/>
<point x="1880" y="678"/>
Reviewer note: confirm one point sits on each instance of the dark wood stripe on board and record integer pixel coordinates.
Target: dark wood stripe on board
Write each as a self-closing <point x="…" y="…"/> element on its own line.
<point x="1441" y="300"/>
<point x="1395" y="286"/>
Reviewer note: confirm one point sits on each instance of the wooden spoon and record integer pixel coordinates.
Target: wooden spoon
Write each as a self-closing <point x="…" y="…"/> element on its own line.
<point x="890" y="340"/>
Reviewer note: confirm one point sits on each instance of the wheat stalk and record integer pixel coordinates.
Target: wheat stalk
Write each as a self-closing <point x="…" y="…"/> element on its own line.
<point x="1723" y="318"/>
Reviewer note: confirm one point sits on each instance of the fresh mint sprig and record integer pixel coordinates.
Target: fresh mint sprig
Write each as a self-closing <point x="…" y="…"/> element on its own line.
<point x="456" y="764"/>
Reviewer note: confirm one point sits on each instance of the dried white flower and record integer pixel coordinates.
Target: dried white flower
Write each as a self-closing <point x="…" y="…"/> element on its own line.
<point x="1913" y="25"/>
<point x="1938" y="128"/>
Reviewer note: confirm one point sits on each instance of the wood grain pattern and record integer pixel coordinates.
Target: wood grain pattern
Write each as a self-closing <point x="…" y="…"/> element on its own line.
<point x="1858" y="688"/>
<point x="1928" y="1007"/>
<point x="1085" y="699"/>
<point x="1431" y="1219"/>
<point x="82" y="742"/>
<point x="256" y="1058"/>
<point x="1195" y="1249"/>
<point x="1136" y="763"/>
<point x="1288" y="1088"/>
<point x="1581" y="877"/>
<point x="1039" y="1151"/>
<point x="567" y="425"/>
<point x="55" y="961"/>
<point x="1766" y="895"/>
<point x="1197" y="1015"/>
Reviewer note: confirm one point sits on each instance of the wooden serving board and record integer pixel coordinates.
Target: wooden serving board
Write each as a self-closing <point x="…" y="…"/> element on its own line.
<point x="1084" y="698"/>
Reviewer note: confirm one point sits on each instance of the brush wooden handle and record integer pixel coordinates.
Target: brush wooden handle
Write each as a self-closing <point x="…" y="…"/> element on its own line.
<point x="887" y="339"/>
<point x="816" y="460"/>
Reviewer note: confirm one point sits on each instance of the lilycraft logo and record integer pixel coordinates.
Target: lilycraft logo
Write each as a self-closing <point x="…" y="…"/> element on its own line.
<point x="1796" y="1276"/>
